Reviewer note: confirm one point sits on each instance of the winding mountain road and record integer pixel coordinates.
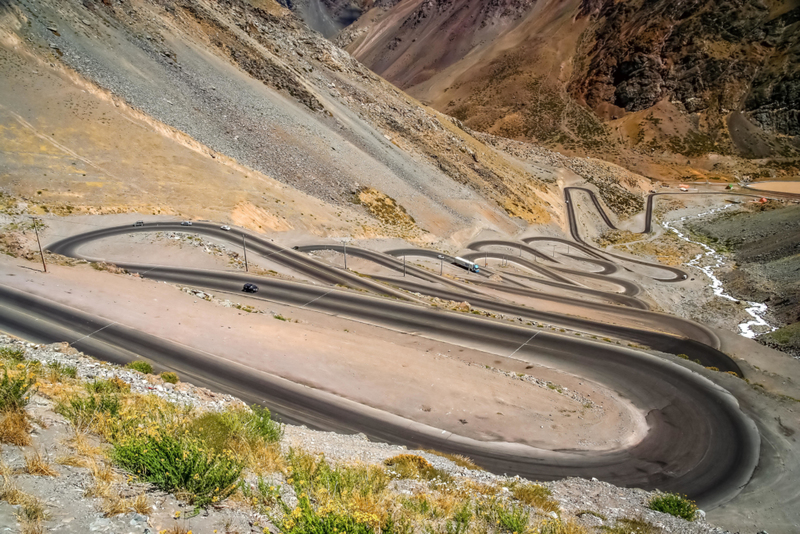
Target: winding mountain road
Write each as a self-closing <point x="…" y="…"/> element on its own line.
<point x="711" y="466"/>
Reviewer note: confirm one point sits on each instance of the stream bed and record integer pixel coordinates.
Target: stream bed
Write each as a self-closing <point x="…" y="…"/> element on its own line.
<point x="711" y="260"/>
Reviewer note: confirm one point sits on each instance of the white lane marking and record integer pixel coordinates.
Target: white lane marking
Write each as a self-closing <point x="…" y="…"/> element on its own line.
<point x="529" y="340"/>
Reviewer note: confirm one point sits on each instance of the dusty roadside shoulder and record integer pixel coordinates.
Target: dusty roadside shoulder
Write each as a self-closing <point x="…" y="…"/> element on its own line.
<point x="61" y="467"/>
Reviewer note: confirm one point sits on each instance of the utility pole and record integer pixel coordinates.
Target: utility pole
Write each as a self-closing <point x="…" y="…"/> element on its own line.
<point x="441" y="264"/>
<point x="41" y="253"/>
<point x="345" y="254"/>
<point x="404" y="265"/>
<point x="244" y="246"/>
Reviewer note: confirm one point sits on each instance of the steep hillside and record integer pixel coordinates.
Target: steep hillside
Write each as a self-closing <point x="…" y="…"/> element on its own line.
<point x="232" y="110"/>
<point x="654" y="83"/>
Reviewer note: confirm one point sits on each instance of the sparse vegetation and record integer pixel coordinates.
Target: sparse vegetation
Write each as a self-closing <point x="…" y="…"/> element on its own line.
<point x="631" y="526"/>
<point x="36" y="464"/>
<point x="458" y="459"/>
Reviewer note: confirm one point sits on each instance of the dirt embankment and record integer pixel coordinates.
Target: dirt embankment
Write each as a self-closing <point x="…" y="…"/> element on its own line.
<point x="765" y="242"/>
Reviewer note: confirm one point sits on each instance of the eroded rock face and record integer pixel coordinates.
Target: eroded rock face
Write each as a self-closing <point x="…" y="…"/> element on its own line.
<point x="716" y="55"/>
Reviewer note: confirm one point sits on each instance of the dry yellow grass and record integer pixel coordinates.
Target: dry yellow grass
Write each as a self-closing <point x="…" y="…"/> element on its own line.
<point x="114" y="504"/>
<point x="477" y="487"/>
<point x="534" y="495"/>
<point x="458" y="459"/>
<point x="10" y="493"/>
<point x="560" y="526"/>
<point x="82" y="444"/>
<point x="102" y="483"/>
<point x="36" y="464"/>
<point x="141" y="504"/>
<point x="31" y="510"/>
<point x="15" y="428"/>
<point x="73" y="460"/>
<point x="31" y="527"/>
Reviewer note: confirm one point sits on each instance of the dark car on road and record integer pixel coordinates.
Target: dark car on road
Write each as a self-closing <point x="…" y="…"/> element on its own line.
<point x="250" y="288"/>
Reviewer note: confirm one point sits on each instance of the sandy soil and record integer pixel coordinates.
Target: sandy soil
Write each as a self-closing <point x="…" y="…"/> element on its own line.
<point x="408" y="376"/>
<point x="777" y="187"/>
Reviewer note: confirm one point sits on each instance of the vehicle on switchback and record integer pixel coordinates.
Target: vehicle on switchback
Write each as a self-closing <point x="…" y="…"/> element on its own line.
<point x="468" y="265"/>
<point x="139" y="223"/>
<point x="186" y="223"/>
<point x="250" y="288"/>
<point x="225" y="227"/>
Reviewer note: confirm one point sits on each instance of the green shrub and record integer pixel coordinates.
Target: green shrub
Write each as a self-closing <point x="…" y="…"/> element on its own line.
<point x="260" y="424"/>
<point x="459" y="523"/>
<point x="313" y="473"/>
<point x="179" y="463"/>
<point x="14" y="354"/>
<point x="220" y="430"/>
<point x="106" y="387"/>
<point x="263" y="496"/>
<point x="509" y="518"/>
<point x="674" y="504"/>
<point x="141" y="366"/>
<point x="82" y="411"/>
<point x="304" y="520"/>
<point x="15" y="389"/>
<point x="169" y="377"/>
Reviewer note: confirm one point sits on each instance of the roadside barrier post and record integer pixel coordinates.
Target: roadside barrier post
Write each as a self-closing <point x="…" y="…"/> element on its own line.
<point x="244" y="246"/>
<point x="41" y="253"/>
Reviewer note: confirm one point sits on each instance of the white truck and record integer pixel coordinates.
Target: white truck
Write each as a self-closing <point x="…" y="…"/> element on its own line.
<point x="468" y="265"/>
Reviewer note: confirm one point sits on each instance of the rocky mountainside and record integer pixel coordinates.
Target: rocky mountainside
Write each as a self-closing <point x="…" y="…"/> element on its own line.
<point x="235" y="101"/>
<point x="642" y="83"/>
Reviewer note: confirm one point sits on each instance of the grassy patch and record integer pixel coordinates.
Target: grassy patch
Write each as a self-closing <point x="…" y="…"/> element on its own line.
<point x="15" y="428"/>
<point x="169" y="377"/>
<point x="674" y="504"/>
<point x="560" y="526"/>
<point x="413" y="466"/>
<point x="306" y="520"/>
<point x="534" y="495"/>
<point x="788" y="336"/>
<point x="141" y="366"/>
<point x="15" y="387"/>
<point x="631" y="526"/>
<point x="458" y="459"/>
<point x="56" y="371"/>
<point x="12" y="354"/>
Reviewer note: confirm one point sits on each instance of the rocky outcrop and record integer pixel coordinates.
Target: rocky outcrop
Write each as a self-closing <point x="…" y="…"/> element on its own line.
<point x="554" y="72"/>
<point x="708" y="56"/>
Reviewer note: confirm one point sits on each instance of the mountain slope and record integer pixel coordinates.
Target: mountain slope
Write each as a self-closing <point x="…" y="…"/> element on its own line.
<point x="249" y="84"/>
<point x="662" y="80"/>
